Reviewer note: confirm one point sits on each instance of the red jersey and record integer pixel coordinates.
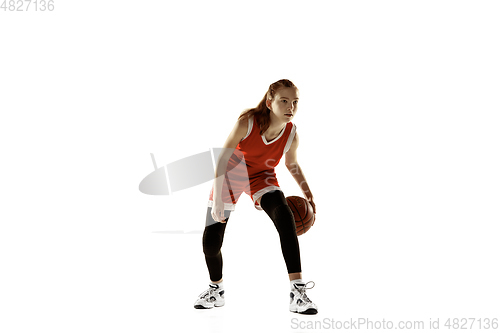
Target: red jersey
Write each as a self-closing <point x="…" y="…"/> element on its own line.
<point x="251" y="167"/>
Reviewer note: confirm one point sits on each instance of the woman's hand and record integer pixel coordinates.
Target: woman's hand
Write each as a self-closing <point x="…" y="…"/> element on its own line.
<point x="218" y="210"/>
<point x="311" y="201"/>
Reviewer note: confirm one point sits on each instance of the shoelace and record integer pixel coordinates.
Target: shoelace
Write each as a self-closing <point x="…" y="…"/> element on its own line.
<point x="302" y="291"/>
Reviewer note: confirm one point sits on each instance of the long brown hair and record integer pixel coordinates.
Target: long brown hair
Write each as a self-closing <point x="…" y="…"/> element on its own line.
<point x="261" y="112"/>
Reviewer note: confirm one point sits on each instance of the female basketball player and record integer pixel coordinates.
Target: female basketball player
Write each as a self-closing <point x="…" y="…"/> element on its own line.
<point x="251" y="152"/>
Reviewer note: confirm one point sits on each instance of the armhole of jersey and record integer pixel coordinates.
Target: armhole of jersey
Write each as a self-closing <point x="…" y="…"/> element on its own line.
<point x="250" y="126"/>
<point x="290" y="138"/>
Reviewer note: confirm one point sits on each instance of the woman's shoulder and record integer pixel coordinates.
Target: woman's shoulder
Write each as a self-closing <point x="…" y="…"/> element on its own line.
<point x="242" y="123"/>
<point x="241" y="128"/>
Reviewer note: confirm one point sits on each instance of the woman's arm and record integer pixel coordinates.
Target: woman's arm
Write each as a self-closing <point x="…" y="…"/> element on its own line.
<point x="237" y="133"/>
<point x="294" y="168"/>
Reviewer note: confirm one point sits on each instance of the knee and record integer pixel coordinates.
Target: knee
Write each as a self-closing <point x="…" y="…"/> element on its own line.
<point x="212" y="243"/>
<point x="283" y="218"/>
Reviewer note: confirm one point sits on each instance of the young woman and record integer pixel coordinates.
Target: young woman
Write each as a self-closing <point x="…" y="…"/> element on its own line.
<point x="246" y="164"/>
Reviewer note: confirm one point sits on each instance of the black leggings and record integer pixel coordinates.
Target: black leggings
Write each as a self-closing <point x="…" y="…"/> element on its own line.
<point x="275" y="205"/>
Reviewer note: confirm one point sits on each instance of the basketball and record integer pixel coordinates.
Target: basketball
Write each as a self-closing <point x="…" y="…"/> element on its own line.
<point x="302" y="212"/>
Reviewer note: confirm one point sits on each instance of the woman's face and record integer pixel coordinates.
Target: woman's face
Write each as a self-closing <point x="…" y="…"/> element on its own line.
<point x="285" y="104"/>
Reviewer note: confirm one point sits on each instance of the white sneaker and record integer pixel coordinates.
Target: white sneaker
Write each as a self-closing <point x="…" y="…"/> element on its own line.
<point x="213" y="296"/>
<point x="299" y="302"/>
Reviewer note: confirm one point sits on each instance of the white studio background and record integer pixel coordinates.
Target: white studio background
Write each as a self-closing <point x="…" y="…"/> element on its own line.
<point x="398" y="122"/>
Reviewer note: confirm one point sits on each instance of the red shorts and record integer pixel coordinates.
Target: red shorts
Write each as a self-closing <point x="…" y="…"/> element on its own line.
<point x="255" y="185"/>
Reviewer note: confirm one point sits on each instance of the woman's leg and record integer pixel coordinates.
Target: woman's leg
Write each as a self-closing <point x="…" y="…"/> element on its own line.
<point x="295" y="276"/>
<point x="213" y="236"/>
<point x="275" y="205"/>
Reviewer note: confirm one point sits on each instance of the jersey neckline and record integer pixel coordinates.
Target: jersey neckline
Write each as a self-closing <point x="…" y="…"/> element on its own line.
<point x="275" y="139"/>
